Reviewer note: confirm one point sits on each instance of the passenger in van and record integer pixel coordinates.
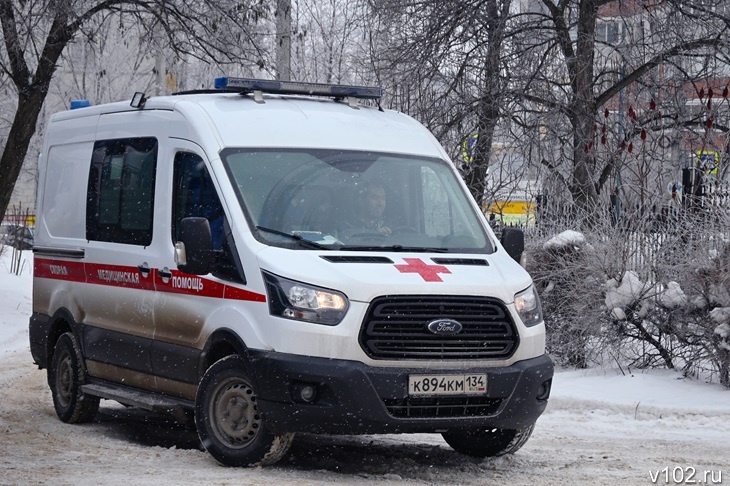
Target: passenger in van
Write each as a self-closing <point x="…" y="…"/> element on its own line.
<point x="370" y="210"/>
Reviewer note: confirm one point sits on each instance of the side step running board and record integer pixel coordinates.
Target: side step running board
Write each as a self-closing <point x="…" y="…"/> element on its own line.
<point x="135" y="398"/>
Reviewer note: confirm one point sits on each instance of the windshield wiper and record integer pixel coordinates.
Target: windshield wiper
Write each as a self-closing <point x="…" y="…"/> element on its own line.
<point x="302" y="241"/>
<point x="395" y="248"/>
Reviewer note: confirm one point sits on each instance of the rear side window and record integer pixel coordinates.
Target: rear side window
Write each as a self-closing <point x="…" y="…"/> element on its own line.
<point x="121" y="191"/>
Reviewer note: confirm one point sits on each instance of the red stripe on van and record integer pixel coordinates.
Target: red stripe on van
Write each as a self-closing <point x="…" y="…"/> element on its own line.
<point x="183" y="283"/>
<point x="59" y="270"/>
<point x="131" y="277"/>
<point x="119" y="276"/>
<point x="235" y="293"/>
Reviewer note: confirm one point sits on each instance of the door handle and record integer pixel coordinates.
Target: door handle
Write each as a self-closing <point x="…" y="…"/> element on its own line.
<point x="144" y="269"/>
<point x="164" y="273"/>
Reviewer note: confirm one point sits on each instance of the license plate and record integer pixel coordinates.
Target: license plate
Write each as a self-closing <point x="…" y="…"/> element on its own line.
<point x="447" y="385"/>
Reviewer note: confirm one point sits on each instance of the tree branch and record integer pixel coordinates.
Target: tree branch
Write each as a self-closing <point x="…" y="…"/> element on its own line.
<point x="654" y="62"/>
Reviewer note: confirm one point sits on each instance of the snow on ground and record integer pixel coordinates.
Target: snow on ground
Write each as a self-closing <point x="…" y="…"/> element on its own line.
<point x="15" y="301"/>
<point x="602" y="426"/>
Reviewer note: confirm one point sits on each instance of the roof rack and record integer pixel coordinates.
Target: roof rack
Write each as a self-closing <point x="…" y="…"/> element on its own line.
<point x="260" y="86"/>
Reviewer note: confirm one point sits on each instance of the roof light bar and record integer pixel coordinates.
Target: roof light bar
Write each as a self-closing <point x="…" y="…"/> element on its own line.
<point x="246" y="85"/>
<point x="76" y="104"/>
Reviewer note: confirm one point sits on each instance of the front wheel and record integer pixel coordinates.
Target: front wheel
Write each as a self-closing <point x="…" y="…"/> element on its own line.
<point x="229" y="423"/>
<point x="487" y="442"/>
<point x="65" y="376"/>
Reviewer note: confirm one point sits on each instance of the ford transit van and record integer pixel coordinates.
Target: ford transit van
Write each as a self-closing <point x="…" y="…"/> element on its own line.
<point x="272" y="258"/>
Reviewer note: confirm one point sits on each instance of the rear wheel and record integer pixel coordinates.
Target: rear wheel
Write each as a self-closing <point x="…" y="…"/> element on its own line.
<point x="65" y="376"/>
<point x="229" y="423"/>
<point x="487" y="442"/>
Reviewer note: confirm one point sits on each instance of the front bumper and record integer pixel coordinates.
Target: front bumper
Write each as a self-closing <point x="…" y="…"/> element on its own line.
<point x="353" y="398"/>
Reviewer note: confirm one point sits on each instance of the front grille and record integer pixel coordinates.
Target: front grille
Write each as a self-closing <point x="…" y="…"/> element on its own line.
<point x="396" y="328"/>
<point x="443" y="407"/>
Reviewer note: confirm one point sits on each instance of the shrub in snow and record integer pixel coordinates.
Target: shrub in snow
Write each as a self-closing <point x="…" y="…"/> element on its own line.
<point x="673" y="297"/>
<point x="723" y="333"/>
<point x="626" y="293"/>
<point x="562" y="270"/>
<point x="639" y="295"/>
<point x="618" y="314"/>
<point x="705" y="280"/>
<point x="566" y="239"/>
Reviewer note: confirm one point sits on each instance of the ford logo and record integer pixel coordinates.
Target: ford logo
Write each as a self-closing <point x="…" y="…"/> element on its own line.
<point x="445" y="326"/>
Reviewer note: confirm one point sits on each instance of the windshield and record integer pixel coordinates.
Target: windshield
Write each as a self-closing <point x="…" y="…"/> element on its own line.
<point x="346" y="200"/>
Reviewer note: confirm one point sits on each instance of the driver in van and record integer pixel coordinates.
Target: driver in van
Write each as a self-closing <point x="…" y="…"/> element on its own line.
<point x="370" y="209"/>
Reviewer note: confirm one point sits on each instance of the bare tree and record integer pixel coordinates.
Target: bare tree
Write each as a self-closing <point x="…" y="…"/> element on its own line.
<point x="445" y="67"/>
<point x="582" y="74"/>
<point x="36" y="34"/>
<point x="283" y="39"/>
<point x="566" y="83"/>
<point x="103" y="64"/>
<point x="327" y="41"/>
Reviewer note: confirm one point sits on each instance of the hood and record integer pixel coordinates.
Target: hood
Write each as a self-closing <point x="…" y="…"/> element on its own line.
<point x="362" y="276"/>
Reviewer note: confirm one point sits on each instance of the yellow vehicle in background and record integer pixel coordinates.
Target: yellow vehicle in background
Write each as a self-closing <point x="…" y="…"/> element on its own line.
<point x="511" y="213"/>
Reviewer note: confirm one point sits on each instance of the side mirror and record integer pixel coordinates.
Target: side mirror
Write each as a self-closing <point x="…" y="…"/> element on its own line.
<point x="513" y="240"/>
<point x="194" y="250"/>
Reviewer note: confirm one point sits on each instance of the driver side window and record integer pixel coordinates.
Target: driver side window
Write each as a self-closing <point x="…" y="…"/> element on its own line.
<point x="195" y="196"/>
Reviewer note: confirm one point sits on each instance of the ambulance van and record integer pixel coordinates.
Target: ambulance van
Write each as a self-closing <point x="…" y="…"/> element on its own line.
<point x="268" y="258"/>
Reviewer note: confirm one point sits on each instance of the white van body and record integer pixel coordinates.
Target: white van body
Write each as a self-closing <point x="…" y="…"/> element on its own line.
<point x="300" y="328"/>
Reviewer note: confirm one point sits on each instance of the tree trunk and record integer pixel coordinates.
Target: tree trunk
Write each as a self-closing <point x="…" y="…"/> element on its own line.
<point x="17" y="143"/>
<point x="583" y="111"/>
<point x="283" y="40"/>
<point x="32" y="91"/>
<point x="489" y="112"/>
<point x="476" y="176"/>
<point x="583" y="188"/>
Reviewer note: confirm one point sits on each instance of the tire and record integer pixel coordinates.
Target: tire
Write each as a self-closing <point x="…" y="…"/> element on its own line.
<point x="66" y="374"/>
<point x="230" y="426"/>
<point x="487" y="443"/>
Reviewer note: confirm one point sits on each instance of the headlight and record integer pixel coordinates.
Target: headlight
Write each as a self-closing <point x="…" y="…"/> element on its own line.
<point x="528" y="307"/>
<point x="304" y="302"/>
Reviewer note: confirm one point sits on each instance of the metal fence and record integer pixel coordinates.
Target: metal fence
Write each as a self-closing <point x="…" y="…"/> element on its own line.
<point x="650" y="243"/>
